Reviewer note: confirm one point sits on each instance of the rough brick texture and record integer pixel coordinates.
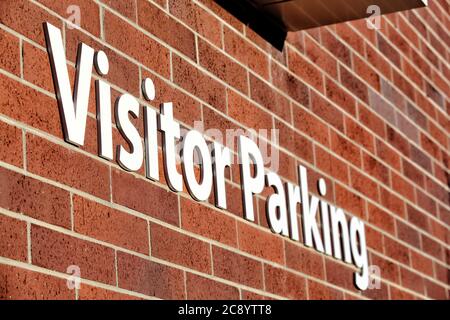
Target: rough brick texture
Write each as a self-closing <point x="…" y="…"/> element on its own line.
<point x="368" y="110"/>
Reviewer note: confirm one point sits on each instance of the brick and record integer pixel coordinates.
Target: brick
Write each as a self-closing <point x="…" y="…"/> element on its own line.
<point x="11" y="139"/>
<point x="398" y="294"/>
<point x="89" y="13"/>
<point x="237" y="268"/>
<point x="136" y="44"/>
<point x="13" y="239"/>
<point x="223" y="14"/>
<point x="408" y="234"/>
<point x="26" y="18"/>
<point x="160" y="24"/>
<point x="246" y="53"/>
<point x="66" y="166"/>
<point x="102" y="223"/>
<point x="260" y="243"/>
<point x="359" y="134"/>
<point x="328" y="163"/>
<point x="87" y="292"/>
<point x="403" y="187"/>
<point x="396" y="251"/>
<point x="391" y="94"/>
<point x="388" y="51"/>
<point x="435" y="291"/>
<point x="412" y="173"/>
<point x="196" y="82"/>
<point x="354" y="40"/>
<point x="432" y="247"/>
<point x="122" y="72"/>
<point x="339" y="96"/>
<point x="247" y="113"/>
<point x="149" y="278"/>
<point x="304" y="260"/>
<point x="318" y="291"/>
<point x="283" y="283"/>
<point x="263" y="94"/>
<point x="378" y="61"/>
<point x="376" y="169"/>
<point x="335" y="46"/>
<point x="349" y="201"/>
<point x="353" y="84"/>
<point x="346" y="149"/>
<point x="392" y="202"/>
<point x="223" y="67"/>
<point x="404" y="85"/>
<point x="388" y="155"/>
<point x="248" y="295"/>
<point x="144" y="196"/>
<point x="421" y="263"/>
<point x="127" y="8"/>
<point x="294" y="142"/>
<point x="339" y="274"/>
<point x="19" y="102"/>
<point x="305" y="70"/>
<point x="34" y="198"/>
<point x="181" y="249"/>
<point x="389" y="270"/>
<point x="320" y="57"/>
<point x="198" y="19"/>
<point x="397" y="141"/>
<point x="17" y="283"/>
<point x="36" y="67"/>
<point x="381" y="219"/>
<point x="381" y="107"/>
<point x="205" y="289"/>
<point x="364" y="185"/>
<point x="420" y="158"/>
<point x="372" y="121"/>
<point x="9" y="53"/>
<point x="327" y="112"/>
<point x="311" y="126"/>
<point x="418" y="218"/>
<point x="208" y="222"/>
<point x="56" y="251"/>
<point x="412" y="281"/>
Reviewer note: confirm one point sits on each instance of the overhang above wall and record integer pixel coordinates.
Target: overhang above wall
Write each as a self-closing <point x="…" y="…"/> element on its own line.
<point x="272" y="19"/>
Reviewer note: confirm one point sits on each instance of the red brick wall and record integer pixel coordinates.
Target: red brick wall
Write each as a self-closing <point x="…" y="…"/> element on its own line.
<point x="367" y="110"/>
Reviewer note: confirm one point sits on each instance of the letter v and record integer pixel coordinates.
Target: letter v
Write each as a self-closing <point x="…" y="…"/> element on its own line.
<point x="73" y="111"/>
